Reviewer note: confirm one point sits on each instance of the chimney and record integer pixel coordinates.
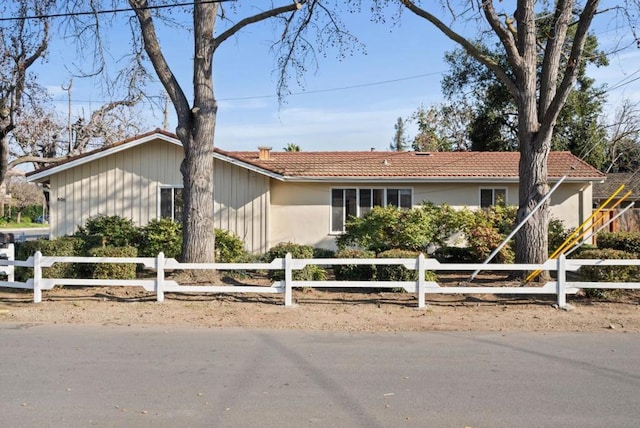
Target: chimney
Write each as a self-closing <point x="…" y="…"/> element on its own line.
<point x="264" y="153"/>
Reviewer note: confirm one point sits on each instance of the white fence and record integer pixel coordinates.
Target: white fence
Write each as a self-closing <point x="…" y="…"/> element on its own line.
<point x="421" y="287"/>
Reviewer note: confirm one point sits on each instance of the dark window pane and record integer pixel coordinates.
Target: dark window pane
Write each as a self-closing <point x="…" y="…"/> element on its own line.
<point x="178" y="205"/>
<point x="405" y="198"/>
<point x="337" y="210"/>
<point x="166" y="203"/>
<point x="486" y="198"/>
<point x="393" y="197"/>
<point x="365" y="201"/>
<point x="350" y="203"/>
<point x="378" y="197"/>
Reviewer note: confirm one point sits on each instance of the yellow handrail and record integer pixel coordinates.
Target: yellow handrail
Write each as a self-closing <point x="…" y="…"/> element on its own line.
<point x="575" y="232"/>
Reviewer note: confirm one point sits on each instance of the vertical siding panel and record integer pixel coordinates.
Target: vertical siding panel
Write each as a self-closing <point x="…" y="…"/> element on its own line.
<point x="77" y="208"/>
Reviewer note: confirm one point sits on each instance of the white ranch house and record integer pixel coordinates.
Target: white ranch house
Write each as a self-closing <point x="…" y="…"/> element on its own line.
<point x="267" y="197"/>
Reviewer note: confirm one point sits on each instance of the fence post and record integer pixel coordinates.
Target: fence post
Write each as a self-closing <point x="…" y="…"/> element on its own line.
<point x="37" y="277"/>
<point x="11" y="269"/>
<point x="288" y="278"/>
<point x="421" y="281"/>
<point x="561" y="280"/>
<point x="160" y="277"/>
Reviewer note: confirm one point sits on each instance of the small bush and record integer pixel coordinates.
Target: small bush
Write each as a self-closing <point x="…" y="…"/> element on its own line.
<point x="308" y="273"/>
<point x="556" y="234"/>
<point x="399" y="272"/>
<point x="113" y="270"/>
<point x="229" y="248"/>
<point x="160" y="235"/>
<point x="484" y="240"/>
<point x="113" y="231"/>
<point x="323" y="253"/>
<point x="65" y="246"/>
<point x="607" y="273"/>
<point x="454" y="255"/>
<point x="354" y="272"/>
<point x="623" y="241"/>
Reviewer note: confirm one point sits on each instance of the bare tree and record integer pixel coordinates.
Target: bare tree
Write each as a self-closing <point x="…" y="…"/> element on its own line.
<point x="197" y="120"/>
<point x="22" y="43"/>
<point x="624" y="139"/>
<point x="539" y="79"/>
<point x="24" y="194"/>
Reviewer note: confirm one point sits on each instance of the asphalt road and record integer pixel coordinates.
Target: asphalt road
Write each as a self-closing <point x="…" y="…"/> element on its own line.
<point x="116" y="376"/>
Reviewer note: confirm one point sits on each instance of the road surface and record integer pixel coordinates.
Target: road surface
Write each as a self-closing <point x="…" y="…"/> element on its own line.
<point x="119" y="376"/>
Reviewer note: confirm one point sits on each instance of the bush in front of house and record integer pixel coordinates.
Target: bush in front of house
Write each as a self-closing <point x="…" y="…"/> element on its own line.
<point x="298" y="251"/>
<point x="65" y="246"/>
<point x="454" y="255"/>
<point x="623" y="241"/>
<point x="386" y="228"/>
<point x="607" y="273"/>
<point x="229" y="248"/>
<point x="113" y="231"/>
<point x="400" y="272"/>
<point x="112" y="270"/>
<point x="160" y="235"/>
<point x="354" y="272"/>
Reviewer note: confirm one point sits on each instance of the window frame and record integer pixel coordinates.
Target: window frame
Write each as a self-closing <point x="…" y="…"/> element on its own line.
<point x="493" y="196"/>
<point x="361" y="210"/>
<point x="173" y="188"/>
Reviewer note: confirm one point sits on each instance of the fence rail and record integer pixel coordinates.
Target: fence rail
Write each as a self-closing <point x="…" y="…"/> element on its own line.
<point x="561" y="287"/>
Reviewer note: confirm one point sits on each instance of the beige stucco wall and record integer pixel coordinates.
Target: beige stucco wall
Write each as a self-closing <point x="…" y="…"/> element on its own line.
<point x="125" y="184"/>
<point x="301" y="212"/>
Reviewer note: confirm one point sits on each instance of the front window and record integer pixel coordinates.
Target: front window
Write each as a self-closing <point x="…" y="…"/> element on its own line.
<point x="171" y="203"/>
<point x="490" y="197"/>
<point x="347" y="203"/>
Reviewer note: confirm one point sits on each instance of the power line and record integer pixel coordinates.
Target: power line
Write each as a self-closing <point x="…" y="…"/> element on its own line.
<point x="104" y="11"/>
<point x="317" y="91"/>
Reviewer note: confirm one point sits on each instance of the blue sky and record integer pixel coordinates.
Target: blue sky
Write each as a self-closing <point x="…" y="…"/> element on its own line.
<point x="352" y="104"/>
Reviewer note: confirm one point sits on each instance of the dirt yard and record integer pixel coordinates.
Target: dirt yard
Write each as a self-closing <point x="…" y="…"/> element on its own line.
<point x="343" y="310"/>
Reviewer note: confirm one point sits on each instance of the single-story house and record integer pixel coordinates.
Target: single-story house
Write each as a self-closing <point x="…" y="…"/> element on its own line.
<point x="267" y="197"/>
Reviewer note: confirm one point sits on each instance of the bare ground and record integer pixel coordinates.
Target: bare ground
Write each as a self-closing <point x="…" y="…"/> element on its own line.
<point x="344" y="310"/>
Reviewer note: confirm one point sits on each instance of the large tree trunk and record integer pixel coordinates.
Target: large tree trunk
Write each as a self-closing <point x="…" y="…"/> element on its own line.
<point x="531" y="239"/>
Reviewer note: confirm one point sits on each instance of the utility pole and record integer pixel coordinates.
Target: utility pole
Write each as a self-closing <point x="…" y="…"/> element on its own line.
<point x="68" y="89"/>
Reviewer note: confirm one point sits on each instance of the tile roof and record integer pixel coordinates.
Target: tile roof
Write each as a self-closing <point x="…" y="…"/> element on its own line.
<point x="630" y="180"/>
<point x="503" y="165"/>
<point x="380" y="164"/>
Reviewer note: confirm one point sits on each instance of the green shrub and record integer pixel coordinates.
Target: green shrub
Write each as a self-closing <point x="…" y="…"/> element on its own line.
<point x="229" y="248"/>
<point x="308" y="273"/>
<point x="113" y="231"/>
<point x="607" y="273"/>
<point x="113" y="270"/>
<point x="160" y="235"/>
<point x="483" y="240"/>
<point x="354" y="272"/>
<point x="385" y="228"/>
<point x="399" y="272"/>
<point x="556" y="235"/>
<point x="623" y="241"/>
<point x="323" y="253"/>
<point x="65" y="246"/>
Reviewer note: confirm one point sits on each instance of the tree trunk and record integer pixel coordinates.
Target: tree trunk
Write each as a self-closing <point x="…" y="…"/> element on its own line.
<point x="531" y="239"/>
<point x="197" y="173"/>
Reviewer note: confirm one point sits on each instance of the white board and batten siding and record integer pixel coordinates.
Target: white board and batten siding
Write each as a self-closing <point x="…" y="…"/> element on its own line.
<point x="241" y="204"/>
<point x="125" y="183"/>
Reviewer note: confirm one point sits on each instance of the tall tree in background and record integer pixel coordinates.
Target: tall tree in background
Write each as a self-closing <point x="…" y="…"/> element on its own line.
<point x="579" y="128"/>
<point x="538" y="78"/>
<point x="624" y="139"/>
<point x="399" y="141"/>
<point x="22" y="43"/>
